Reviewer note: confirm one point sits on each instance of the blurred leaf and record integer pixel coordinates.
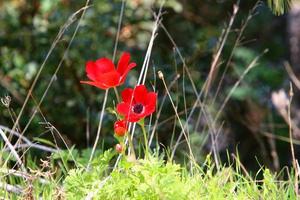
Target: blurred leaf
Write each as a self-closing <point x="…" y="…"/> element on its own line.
<point x="242" y="92"/>
<point x="47" y="5"/>
<point x="44" y="141"/>
<point x="279" y="7"/>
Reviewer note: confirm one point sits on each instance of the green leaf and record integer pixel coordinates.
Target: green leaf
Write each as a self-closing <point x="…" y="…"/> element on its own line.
<point x="242" y="92"/>
<point x="112" y="111"/>
<point x="44" y="141"/>
<point x="279" y="7"/>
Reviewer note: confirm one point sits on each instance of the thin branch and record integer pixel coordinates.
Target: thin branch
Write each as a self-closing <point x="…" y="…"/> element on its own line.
<point x="291" y="94"/>
<point x="160" y="109"/>
<point x="12" y="150"/>
<point x="214" y="66"/>
<point x="56" y="40"/>
<point x="249" y="67"/>
<point x="161" y="76"/>
<point x="292" y="75"/>
<point x="99" y="128"/>
<point x="11" y="188"/>
<point x="22" y="175"/>
<point x="28" y="142"/>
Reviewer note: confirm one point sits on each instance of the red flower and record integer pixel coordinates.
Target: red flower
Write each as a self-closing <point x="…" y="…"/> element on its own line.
<point x="120" y="128"/>
<point x="103" y="74"/>
<point x="137" y="103"/>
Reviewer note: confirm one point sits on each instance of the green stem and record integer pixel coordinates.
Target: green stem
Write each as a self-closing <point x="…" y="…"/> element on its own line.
<point x="142" y="124"/>
<point x="99" y="128"/>
<point x="131" y="144"/>
<point x="117" y="94"/>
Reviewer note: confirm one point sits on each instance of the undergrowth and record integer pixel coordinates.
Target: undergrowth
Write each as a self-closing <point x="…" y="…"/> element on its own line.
<point x="153" y="178"/>
<point x="148" y="178"/>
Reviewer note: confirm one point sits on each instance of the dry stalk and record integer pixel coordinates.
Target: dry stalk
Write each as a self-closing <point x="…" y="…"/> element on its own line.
<point x="291" y="94"/>
<point x="161" y="76"/>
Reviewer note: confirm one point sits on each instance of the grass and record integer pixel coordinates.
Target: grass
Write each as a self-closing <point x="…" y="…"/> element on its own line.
<point x="150" y="178"/>
<point x="153" y="178"/>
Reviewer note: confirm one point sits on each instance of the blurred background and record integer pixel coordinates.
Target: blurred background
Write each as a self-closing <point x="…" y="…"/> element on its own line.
<point x="251" y="123"/>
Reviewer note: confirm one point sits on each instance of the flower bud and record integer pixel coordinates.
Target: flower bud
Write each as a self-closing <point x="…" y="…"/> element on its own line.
<point x="119" y="148"/>
<point x="120" y="128"/>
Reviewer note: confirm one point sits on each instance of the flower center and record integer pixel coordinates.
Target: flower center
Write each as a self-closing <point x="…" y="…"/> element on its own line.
<point x="138" y="108"/>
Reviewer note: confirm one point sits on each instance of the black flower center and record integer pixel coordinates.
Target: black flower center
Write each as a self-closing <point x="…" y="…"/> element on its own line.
<point x="138" y="108"/>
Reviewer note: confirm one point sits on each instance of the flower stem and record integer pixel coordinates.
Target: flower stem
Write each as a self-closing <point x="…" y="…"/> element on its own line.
<point x="142" y="124"/>
<point x="117" y="94"/>
<point x="131" y="144"/>
<point x="99" y="128"/>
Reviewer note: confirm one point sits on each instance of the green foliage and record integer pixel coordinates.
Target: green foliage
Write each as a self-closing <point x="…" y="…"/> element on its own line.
<point x="75" y="157"/>
<point x="146" y="179"/>
<point x="263" y="74"/>
<point x="153" y="178"/>
<point x="279" y="7"/>
<point x="80" y="181"/>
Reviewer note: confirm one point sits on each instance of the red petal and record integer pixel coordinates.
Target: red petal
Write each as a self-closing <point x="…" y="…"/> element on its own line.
<point x="96" y="84"/>
<point x="149" y="109"/>
<point x="134" y="117"/>
<point x="124" y="67"/>
<point x="124" y="74"/>
<point x="127" y="95"/>
<point x="151" y="103"/>
<point x="90" y="69"/>
<point x="104" y="65"/>
<point x="123" y="62"/>
<point x="110" y="79"/>
<point x="140" y="94"/>
<point x="151" y="98"/>
<point x="123" y="109"/>
<point x="96" y="69"/>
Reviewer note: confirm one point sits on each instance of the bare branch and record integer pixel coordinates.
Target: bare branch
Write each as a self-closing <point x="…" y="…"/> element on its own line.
<point x="11" y="188"/>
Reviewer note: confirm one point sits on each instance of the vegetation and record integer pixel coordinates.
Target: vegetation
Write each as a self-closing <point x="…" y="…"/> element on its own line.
<point x="150" y="178"/>
<point x="279" y="6"/>
<point x="139" y="100"/>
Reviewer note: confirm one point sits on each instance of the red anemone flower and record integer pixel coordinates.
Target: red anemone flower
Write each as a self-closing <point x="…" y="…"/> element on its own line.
<point x="137" y="103"/>
<point x="120" y="128"/>
<point x="103" y="74"/>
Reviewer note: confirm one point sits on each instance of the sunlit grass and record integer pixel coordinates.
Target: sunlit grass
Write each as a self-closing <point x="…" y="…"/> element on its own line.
<point x="151" y="178"/>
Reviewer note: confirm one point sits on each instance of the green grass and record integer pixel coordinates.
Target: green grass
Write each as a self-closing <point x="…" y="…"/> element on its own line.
<point x="150" y="178"/>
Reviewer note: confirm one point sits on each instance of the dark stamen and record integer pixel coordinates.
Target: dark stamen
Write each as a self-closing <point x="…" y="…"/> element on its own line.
<point x="138" y="108"/>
